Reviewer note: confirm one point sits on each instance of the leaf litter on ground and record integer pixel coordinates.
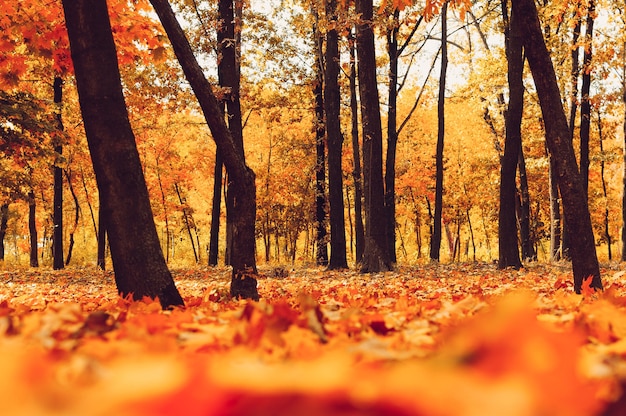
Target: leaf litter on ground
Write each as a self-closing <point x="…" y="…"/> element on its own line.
<point x="461" y="339"/>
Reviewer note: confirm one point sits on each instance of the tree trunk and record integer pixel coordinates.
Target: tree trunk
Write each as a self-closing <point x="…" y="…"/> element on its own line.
<point x="57" y="213"/>
<point x="187" y="220"/>
<point x="585" y="105"/>
<point x="526" y="239"/>
<point x="241" y="187"/>
<point x="375" y="253"/>
<point x="102" y="238"/>
<point x="140" y="268"/>
<point x="607" y="229"/>
<point x="359" y="232"/>
<point x="392" y="137"/>
<point x="507" y="225"/>
<point x="70" y="247"/>
<point x="334" y="140"/>
<point x="555" y="213"/>
<point x="435" y="241"/>
<point x="575" y="208"/>
<point x="216" y="210"/>
<point x="623" y="230"/>
<point x="32" y="230"/>
<point x="321" y="243"/>
<point x="4" y="220"/>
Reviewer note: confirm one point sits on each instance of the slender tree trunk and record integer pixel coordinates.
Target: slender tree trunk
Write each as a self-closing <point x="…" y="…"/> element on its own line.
<point x="216" y="210"/>
<point x="321" y="237"/>
<point x="507" y="225"/>
<point x="140" y="268"/>
<point x="375" y="252"/>
<point x="187" y="219"/>
<point x="575" y="208"/>
<point x="435" y="241"/>
<point x="4" y="220"/>
<point x="607" y="233"/>
<point x="334" y="139"/>
<point x="392" y="137"/>
<point x="356" y="155"/>
<point x="32" y="230"/>
<point x="242" y="189"/>
<point x="102" y="238"/>
<point x="70" y="247"/>
<point x="527" y="243"/>
<point x="57" y="235"/>
<point x="555" y="213"/>
<point x="585" y="105"/>
<point x="623" y="230"/>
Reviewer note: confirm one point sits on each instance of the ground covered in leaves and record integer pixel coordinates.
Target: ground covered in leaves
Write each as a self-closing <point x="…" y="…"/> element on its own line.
<point x="432" y="340"/>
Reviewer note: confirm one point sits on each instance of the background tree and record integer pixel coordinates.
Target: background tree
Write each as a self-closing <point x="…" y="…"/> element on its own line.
<point x="140" y="268"/>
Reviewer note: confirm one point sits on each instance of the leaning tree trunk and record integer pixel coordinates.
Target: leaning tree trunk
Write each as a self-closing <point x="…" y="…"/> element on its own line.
<point x="334" y="142"/>
<point x="140" y="268"/>
<point x="375" y="254"/>
<point x="435" y="239"/>
<point x="575" y="208"/>
<point x="241" y="177"/>
<point x="507" y="224"/>
<point x="57" y="212"/>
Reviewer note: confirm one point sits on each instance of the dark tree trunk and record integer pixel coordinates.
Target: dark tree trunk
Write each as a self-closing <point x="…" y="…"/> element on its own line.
<point x="102" y="238"/>
<point x="32" y="230"/>
<point x="229" y="77"/>
<point x="375" y="254"/>
<point x="4" y="220"/>
<point x="507" y="224"/>
<point x="356" y="155"/>
<point x="334" y="140"/>
<point x="526" y="238"/>
<point x="70" y="247"/>
<point x="187" y="220"/>
<point x="57" y="213"/>
<point x="392" y="137"/>
<point x="216" y="209"/>
<point x="575" y="208"/>
<point x="585" y="104"/>
<point x="140" y="268"/>
<point x="321" y="243"/>
<point x="555" y="213"/>
<point x="435" y="240"/>
<point x="623" y="230"/>
<point x="607" y="229"/>
<point x="241" y="178"/>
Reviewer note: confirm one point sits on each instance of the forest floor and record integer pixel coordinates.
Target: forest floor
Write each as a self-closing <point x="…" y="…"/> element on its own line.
<point x="462" y="339"/>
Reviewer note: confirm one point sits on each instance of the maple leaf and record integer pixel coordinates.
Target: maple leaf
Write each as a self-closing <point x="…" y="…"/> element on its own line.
<point x="586" y="289"/>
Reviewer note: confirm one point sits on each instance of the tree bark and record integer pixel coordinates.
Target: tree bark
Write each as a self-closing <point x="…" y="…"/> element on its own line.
<point x="392" y="137"/>
<point x="321" y="243"/>
<point x="334" y="140"/>
<point x="375" y="254"/>
<point x="575" y="208"/>
<point x="435" y="240"/>
<point x="585" y="104"/>
<point x="507" y="224"/>
<point x="140" y="268"/>
<point x="57" y="212"/>
<point x="4" y="220"/>
<point x="241" y="186"/>
<point x="32" y="230"/>
<point x="359" y="232"/>
<point x="216" y="210"/>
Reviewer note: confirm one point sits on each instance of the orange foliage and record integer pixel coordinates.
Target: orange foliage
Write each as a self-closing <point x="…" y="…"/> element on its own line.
<point x="434" y="340"/>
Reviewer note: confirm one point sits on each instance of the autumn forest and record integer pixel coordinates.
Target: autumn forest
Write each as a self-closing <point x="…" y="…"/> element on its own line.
<point x="363" y="207"/>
